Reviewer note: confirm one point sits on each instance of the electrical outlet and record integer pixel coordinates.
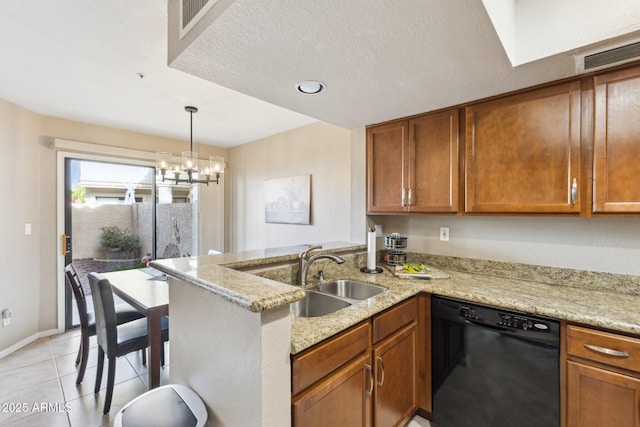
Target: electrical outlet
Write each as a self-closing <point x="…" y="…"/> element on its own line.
<point x="444" y="234"/>
<point x="6" y="322"/>
<point x="378" y="230"/>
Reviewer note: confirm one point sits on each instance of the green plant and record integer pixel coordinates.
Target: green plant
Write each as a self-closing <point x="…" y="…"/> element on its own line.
<point x="79" y="194"/>
<point x="131" y="245"/>
<point x="116" y="239"/>
<point x="111" y="236"/>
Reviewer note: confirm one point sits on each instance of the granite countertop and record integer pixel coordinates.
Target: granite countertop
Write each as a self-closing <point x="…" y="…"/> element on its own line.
<point x="598" y="308"/>
<point x="222" y="274"/>
<point x="601" y="300"/>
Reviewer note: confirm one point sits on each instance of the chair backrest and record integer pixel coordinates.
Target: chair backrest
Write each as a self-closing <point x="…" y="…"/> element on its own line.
<point x="105" y="313"/>
<point x="73" y="281"/>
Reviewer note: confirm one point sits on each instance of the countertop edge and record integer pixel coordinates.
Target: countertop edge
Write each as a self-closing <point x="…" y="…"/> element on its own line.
<point x="269" y="296"/>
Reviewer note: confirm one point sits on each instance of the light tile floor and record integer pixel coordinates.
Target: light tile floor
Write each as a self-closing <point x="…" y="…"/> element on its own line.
<point x="37" y="385"/>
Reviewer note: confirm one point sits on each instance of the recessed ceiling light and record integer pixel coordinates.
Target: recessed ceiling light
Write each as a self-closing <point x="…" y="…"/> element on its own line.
<point x="310" y="87"/>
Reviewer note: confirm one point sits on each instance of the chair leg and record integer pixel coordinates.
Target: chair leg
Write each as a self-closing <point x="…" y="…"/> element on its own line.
<point x="99" y="370"/>
<point x="111" y="375"/>
<point x="144" y="356"/>
<point x="78" y="358"/>
<point x="84" y="358"/>
<point x="162" y="354"/>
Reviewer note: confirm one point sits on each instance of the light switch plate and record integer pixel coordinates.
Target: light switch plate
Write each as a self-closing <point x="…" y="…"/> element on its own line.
<point x="444" y="234"/>
<point x="27" y="229"/>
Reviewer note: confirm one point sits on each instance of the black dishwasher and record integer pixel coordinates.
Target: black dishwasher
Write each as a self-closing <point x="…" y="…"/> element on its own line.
<point x="493" y="367"/>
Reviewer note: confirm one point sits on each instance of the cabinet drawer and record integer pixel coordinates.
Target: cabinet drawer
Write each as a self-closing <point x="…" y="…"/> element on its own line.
<point x="604" y="347"/>
<point x="393" y="319"/>
<point x="319" y="361"/>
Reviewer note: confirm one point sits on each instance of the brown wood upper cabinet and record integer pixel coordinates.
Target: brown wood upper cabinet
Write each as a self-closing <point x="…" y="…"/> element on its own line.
<point x="523" y="152"/>
<point x="617" y="142"/>
<point x="412" y="165"/>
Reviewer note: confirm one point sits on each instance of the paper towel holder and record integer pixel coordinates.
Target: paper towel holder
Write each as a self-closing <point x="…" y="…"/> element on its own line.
<point x="371" y="251"/>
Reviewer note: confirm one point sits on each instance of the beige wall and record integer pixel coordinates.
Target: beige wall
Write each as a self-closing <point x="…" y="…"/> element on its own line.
<point x="25" y="166"/>
<point x="29" y="263"/>
<point x="321" y="150"/>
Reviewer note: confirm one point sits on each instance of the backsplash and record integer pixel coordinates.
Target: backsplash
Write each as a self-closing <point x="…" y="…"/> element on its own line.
<point x="619" y="283"/>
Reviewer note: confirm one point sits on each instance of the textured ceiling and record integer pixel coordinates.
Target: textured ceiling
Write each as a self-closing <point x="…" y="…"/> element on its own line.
<point x="79" y="59"/>
<point x="379" y="59"/>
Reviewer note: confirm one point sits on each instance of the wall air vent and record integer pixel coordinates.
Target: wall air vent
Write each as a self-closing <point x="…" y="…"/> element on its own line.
<point x="616" y="55"/>
<point x="190" y="9"/>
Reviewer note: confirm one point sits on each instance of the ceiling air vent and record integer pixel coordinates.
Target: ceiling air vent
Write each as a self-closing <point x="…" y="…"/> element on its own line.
<point x="190" y="10"/>
<point x="616" y="55"/>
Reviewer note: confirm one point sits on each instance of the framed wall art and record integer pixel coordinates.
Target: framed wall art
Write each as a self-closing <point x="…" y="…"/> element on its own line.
<point x="288" y="200"/>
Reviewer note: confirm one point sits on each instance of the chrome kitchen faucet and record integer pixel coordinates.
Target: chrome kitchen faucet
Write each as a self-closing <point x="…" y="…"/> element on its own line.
<point x="305" y="262"/>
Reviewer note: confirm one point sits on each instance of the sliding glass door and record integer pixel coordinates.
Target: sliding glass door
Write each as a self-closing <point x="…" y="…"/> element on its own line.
<point x="110" y="212"/>
<point x="118" y="216"/>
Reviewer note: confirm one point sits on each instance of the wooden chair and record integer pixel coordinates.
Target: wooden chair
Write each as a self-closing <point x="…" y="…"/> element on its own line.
<point x="115" y="339"/>
<point x="124" y="312"/>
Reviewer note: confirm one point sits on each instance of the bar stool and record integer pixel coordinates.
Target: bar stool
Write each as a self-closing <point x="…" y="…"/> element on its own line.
<point x="172" y="405"/>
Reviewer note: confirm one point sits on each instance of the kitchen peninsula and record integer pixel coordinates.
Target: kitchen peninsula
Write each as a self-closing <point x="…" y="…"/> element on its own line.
<point x="232" y="332"/>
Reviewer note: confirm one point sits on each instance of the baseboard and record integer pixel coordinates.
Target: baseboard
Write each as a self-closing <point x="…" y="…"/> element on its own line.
<point x="26" y="341"/>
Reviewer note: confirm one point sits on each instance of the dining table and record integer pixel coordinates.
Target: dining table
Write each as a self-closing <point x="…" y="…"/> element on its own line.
<point x="147" y="290"/>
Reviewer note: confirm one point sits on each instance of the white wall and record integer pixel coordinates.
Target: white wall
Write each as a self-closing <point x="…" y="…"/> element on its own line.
<point x="596" y="244"/>
<point x="358" y="186"/>
<point x="321" y="150"/>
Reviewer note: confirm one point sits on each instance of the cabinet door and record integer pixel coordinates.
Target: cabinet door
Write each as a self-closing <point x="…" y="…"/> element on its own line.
<point x="387" y="156"/>
<point x="617" y="142"/>
<point x="433" y="168"/>
<point x="523" y="152"/>
<point x="342" y="399"/>
<point x="596" y="397"/>
<point x="395" y="375"/>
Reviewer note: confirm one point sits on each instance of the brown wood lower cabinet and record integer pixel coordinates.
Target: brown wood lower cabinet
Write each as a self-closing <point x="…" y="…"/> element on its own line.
<point x="342" y="399"/>
<point x="599" y="397"/>
<point x="603" y="381"/>
<point x="365" y="376"/>
<point x="395" y="378"/>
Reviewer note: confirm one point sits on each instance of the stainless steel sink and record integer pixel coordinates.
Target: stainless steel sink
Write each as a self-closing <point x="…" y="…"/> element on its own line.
<point x="350" y="289"/>
<point x="317" y="304"/>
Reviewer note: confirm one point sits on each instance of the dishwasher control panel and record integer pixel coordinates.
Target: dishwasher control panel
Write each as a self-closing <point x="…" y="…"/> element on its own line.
<point x="522" y="323"/>
<point x="512" y="321"/>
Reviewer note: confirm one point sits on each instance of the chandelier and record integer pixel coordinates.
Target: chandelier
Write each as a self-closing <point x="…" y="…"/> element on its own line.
<point x="196" y="171"/>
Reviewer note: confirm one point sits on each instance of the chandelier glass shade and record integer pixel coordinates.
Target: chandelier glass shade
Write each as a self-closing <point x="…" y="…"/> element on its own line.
<point x="188" y="168"/>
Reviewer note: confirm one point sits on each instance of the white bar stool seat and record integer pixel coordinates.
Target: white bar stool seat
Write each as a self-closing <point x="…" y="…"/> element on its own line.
<point x="172" y="405"/>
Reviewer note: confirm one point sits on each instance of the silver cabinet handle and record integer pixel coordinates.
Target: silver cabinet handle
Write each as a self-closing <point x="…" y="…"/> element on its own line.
<point x="381" y="364"/>
<point x="371" y="379"/>
<point x="403" y="193"/>
<point x="607" y="351"/>
<point x="410" y="196"/>
<point x="574" y="191"/>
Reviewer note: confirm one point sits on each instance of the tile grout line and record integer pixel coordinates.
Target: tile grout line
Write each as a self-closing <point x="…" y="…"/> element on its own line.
<point x="64" y="396"/>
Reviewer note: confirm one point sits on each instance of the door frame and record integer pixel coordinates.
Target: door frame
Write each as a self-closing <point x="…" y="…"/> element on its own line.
<point x="211" y="202"/>
<point x="60" y="210"/>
